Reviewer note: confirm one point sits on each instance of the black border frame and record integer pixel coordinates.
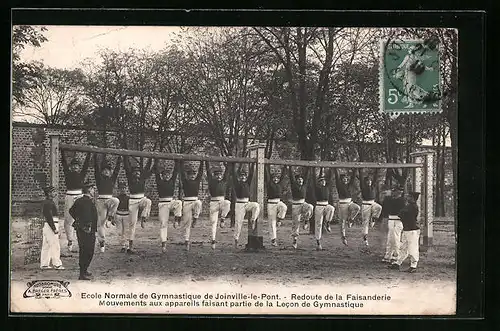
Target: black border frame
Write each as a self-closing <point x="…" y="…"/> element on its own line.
<point x="471" y="168"/>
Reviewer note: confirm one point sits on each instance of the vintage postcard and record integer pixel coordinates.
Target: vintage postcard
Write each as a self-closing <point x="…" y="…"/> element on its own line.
<point x="233" y="170"/>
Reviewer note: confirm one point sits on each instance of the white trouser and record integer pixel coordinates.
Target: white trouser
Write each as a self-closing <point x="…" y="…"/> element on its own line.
<point x="409" y="246"/>
<point x="218" y="206"/>
<point x="300" y="210"/>
<point x="69" y="200"/>
<point x="51" y="251"/>
<point x="123" y="227"/>
<point x="136" y="203"/>
<point x="395" y="226"/>
<point x="348" y="210"/>
<point x="190" y="209"/>
<point x="106" y="207"/>
<point x="164" y="208"/>
<point x="369" y="210"/>
<point x="322" y="211"/>
<point x="275" y="208"/>
<point x="240" y="209"/>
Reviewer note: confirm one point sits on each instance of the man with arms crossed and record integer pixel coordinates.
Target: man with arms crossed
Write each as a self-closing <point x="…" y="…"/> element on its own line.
<point x="191" y="205"/>
<point x="219" y="206"/>
<point x="74" y="178"/>
<point x="241" y="183"/>
<point x="276" y="209"/>
<point x="106" y="204"/>
<point x="165" y="185"/>
<point x="411" y="233"/>
<point x="299" y="206"/>
<point x="137" y="200"/>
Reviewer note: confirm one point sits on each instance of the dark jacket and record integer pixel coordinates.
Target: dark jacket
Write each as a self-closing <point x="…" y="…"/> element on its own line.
<point x="74" y="180"/>
<point x="85" y="214"/>
<point x="408" y="217"/>
<point x="392" y="206"/>
<point x="215" y="187"/>
<point x="49" y="210"/>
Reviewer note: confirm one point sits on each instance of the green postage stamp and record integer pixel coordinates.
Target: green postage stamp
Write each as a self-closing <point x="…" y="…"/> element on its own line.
<point x="409" y="77"/>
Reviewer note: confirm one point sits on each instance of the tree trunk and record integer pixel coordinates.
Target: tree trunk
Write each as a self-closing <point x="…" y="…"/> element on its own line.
<point x="439" y="193"/>
<point x="452" y="120"/>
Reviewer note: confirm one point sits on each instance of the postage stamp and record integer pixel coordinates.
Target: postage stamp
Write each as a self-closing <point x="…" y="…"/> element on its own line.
<point x="409" y="76"/>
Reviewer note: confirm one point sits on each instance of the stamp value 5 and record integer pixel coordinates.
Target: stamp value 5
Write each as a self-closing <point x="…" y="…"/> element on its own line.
<point x="409" y="76"/>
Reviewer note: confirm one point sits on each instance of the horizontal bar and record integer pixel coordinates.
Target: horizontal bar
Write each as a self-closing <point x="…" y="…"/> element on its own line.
<point x="333" y="164"/>
<point x="192" y="157"/>
<point x="156" y="155"/>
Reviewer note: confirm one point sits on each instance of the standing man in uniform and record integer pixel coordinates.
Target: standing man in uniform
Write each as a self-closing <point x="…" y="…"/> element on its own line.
<point x="391" y="207"/>
<point x="85" y="214"/>
<point x="323" y="210"/>
<point x="241" y="184"/>
<point x="106" y="204"/>
<point x="137" y="200"/>
<point x="74" y="178"/>
<point x="165" y="185"/>
<point x="370" y="211"/>
<point x="348" y="210"/>
<point x="191" y="205"/>
<point x="411" y="233"/>
<point x="51" y="251"/>
<point x="219" y="206"/>
<point x="300" y="209"/>
<point x="276" y="209"/>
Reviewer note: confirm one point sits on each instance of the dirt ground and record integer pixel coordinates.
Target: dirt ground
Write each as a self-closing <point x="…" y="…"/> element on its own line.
<point x="278" y="265"/>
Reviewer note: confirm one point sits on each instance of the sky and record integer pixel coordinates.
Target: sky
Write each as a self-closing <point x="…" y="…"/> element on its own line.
<point x="67" y="46"/>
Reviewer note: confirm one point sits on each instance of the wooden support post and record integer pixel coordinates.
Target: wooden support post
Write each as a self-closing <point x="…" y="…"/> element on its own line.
<point x="54" y="165"/>
<point x="255" y="239"/>
<point x="423" y="182"/>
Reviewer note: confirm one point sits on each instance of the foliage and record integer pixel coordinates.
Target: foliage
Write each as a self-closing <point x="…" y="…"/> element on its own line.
<point x="54" y="97"/>
<point x="23" y="73"/>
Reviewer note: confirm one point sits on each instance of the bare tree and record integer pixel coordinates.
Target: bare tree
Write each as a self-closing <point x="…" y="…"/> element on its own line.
<point x="23" y="73"/>
<point x="54" y="97"/>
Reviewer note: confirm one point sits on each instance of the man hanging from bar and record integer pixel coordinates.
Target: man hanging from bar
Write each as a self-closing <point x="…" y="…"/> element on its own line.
<point x="219" y="206"/>
<point x="276" y="209"/>
<point x="165" y="185"/>
<point x="241" y="184"/>
<point x="106" y="204"/>
<point x="370" y="210"/>
<point x="122" y="221"/>
<point x="411" y="234"/>
<point x="348" y="210"/>
<point x="138" y="202"/>
<point x="74" y="178"/>
<point x="191" y="205"/>
<point x="391" y="207"/>
<point x="323" y="210"/>
<point x="300" y="209"/>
